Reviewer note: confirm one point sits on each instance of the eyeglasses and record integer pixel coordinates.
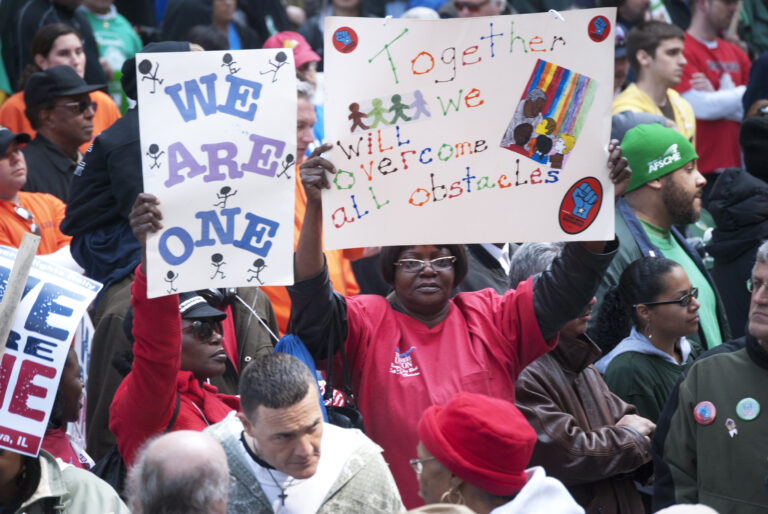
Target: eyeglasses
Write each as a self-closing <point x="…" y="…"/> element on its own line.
<point x="24" y="214"/>
<point x="416" y="265"/>
<point x="470" y="6"/>
<point x="683" y="301"/>
<point x="80" y="106"/>
<point x="753" y="286"/>
<point x="418" y="464"/>
<point x="205" y="329"/>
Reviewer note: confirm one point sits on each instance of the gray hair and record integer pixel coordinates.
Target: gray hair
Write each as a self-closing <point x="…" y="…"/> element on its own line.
<point x="532" y="258"/>
<point x="762" y="255"/>
<point x="274" y="380"/>
<point x="159" y="485"/>
<point x="304" y="90"/>
<point x="535" y="94"/>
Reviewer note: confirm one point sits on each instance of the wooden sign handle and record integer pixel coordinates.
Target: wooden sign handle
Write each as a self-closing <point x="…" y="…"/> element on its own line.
<point x="16" y="282"/>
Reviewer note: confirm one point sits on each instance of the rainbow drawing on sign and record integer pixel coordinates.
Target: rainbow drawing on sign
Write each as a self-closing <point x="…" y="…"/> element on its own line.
<point x="547" y="121"/>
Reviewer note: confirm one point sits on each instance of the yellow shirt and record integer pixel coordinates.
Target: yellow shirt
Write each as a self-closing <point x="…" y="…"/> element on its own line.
<point x="635" y="100"/>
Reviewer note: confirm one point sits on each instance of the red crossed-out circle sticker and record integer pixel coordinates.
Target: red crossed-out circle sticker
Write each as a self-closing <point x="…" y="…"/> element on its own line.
<point x="599" y="28"/>
<point x="580" y="206"/>
<point x="345" y="40"/>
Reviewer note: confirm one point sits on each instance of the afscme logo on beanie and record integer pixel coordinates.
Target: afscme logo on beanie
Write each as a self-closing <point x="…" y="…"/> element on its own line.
<point x="668" y="157"/>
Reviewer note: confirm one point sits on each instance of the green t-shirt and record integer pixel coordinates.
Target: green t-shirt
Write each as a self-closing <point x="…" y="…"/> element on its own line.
<point x="666" y="242"/>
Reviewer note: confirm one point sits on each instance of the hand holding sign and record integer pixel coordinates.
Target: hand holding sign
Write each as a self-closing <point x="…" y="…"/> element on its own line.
<point x="314" y="173"/>
<point x="620" y="172"/>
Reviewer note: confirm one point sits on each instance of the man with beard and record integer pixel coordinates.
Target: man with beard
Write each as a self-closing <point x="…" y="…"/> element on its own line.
<point x="665" y="191"/>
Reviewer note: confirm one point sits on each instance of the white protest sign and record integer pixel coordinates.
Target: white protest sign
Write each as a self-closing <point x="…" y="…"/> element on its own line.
<point x="473" y="130"/>
<point x="53" y="303"/>
<point x="218" y="144"/>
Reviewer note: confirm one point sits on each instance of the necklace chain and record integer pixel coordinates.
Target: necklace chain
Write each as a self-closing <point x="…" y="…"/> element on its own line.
<point x="283" y="496"/>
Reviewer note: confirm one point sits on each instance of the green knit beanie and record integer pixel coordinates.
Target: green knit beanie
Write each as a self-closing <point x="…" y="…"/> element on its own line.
<point x="654" y="151"/>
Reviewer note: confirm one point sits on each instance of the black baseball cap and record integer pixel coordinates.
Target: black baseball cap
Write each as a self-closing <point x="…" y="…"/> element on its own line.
<point x="55" y="82"/>
<point x="7" y="137"/>
<point x="194" y="306"/>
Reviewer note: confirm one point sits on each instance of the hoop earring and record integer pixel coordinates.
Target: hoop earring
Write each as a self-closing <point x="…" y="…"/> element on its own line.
<point x="447" y="496"/>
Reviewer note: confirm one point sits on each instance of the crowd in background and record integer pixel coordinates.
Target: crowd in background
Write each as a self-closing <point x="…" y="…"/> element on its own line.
<point x="623" y="376"/>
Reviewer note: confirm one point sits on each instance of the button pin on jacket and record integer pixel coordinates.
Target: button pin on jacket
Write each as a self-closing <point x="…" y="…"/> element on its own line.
<point x="731" y="426"/>
<point x="748" y="409"/>
<point x="704" y="413"/>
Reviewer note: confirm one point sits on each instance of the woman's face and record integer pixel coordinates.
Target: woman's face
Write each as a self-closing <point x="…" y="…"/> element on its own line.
<point x="674" y="320"/>
<point x="67" y="50"/>
<point x="427" y="291"/>
<point x="203" y="356"/>
<point x="435" y="479"/>
<point x="71" y="388"/>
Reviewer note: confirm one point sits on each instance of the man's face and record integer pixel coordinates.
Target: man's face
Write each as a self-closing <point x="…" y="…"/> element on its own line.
<point x="666" y="67"/>
<point x="477" y="8"/>
<point x="289" y="438"/>
<point x="758" y="304"/>
<point x="305" y="121"/>
<point x="719" y="13"/>
<point x="13" y="171"/>
<point x="635" y="11"/>
<point x="67" y="121"/>
<point x="681" y="194"/>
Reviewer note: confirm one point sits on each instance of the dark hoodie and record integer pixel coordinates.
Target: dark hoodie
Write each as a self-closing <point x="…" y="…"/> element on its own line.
<point x="104" y="187"/>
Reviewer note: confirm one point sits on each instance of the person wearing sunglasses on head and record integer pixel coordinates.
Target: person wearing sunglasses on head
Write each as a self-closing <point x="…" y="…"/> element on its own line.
<point x="22" y="212"/>
<point x="177" y="348"/>
<point x="60" y="109"/>
<point x="651" y="311"/>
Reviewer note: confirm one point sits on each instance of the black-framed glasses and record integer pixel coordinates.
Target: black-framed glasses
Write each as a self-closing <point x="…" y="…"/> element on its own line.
<point x="470" y="6"/>
<point x="683" y="301"/>
<point x="80" y="106"/>
<point x="24" y="214"/>
<point x="416" y="265"/>
<point x="753" y="286"/>
<point x="418" y="464"/>
<point x="204" y="329"/>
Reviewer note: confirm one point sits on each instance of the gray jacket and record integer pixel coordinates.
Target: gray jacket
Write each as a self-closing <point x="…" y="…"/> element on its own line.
<point x="364" y="485"/>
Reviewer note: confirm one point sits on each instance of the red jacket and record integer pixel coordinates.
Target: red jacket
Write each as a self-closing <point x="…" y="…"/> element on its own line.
<point x="145" y="400"/>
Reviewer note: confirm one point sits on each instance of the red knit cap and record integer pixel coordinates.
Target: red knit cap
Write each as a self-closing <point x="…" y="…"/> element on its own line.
<point x="484" y="441"/>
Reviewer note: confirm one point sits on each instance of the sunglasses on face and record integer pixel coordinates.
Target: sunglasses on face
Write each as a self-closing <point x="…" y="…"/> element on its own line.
<point x="416" y="265"/>
<point x="470" y="6"/>
<point x="683" y="301"/>
<point x="24" y="214"/>
<point x="204" y="329"/>
<point x="754" y="285"/>
<point x="80" y="106"/>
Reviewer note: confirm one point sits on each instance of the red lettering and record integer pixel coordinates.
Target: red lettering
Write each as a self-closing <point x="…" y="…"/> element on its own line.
<point x="503" y="177"/>
<point x="25" y="388"/>
<point x="469" y="51"/>
<point x="5" y="375"/>
<point x="536" y="40"/>
<point x="536" y="174"/>
<point x="457" y="186"/>
<point x="402" y="154"/>
<point x="343" y="215"/>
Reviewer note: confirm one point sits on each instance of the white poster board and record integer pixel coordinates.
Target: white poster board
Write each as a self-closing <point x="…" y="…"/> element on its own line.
<point x="53" y="303"/>
<point x="218" y="144"/>
<point x="475" y="130"/>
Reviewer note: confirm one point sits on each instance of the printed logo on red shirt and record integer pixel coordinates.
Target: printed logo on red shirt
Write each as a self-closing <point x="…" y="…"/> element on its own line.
<point x="403" y="364"/>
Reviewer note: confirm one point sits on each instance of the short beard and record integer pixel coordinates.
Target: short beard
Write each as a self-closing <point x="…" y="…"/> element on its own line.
<point x="678" y="203"/>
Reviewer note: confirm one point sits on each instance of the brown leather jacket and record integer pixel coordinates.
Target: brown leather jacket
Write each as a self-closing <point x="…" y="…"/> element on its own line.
<point x="574" y="414"/>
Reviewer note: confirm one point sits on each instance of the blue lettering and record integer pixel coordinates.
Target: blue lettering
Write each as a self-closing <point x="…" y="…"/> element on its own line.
<point x="194" y="95"/>
<point x="238" y="94"/>
<point x="210" y="219"/>
<point x="184" y="238"/>
<point x="37" y="347"/>
<point x="255" y="230"/>
<point x="44" y="306"/>
<point x="421" y="156"/>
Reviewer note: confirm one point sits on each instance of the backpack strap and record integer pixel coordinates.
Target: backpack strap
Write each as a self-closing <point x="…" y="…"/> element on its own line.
<point x="175" y="413"/>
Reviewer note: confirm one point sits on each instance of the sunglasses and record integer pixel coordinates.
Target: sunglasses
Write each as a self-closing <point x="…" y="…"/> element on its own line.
<point x="683" y="301"/>
<point x="204" y="329"/>
<point x="24" y="214"/>
<point x="470" y="6"/>
<point x="416" y="265"/>
<point x="80" y="106"/>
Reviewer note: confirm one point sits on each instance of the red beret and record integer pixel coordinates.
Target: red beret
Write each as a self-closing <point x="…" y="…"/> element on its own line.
<point x="484" y="441"/>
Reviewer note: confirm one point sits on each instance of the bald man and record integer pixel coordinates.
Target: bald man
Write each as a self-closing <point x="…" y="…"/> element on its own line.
<point x="157" y="481"/>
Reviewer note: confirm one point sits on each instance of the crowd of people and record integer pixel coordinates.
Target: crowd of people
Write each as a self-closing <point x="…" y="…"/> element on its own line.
<point x="619" y="376"/>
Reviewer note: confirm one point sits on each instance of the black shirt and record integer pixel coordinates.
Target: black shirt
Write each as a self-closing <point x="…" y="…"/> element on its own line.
<point x="49" y="170"/>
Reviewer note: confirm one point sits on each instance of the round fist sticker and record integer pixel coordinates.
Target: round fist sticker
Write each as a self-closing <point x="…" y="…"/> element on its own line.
<point x="345" y="40"/>
<point x="599" y="28"/>
<point x="580" y="206"/>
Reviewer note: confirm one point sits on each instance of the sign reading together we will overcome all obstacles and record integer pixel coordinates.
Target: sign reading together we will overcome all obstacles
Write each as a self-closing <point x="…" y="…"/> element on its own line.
<point x="218" y="144"/>
<point x="473" y="130"/>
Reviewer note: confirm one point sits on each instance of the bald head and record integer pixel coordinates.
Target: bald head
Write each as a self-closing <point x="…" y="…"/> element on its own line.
<point x="159" y="482"/>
